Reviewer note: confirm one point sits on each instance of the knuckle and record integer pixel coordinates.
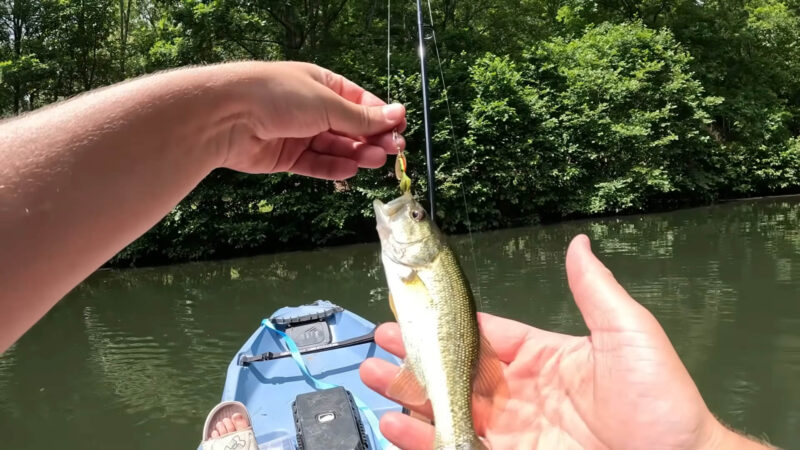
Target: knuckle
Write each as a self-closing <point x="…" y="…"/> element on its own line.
<point x="365" y="118"/>
<point x="329" y="77"/>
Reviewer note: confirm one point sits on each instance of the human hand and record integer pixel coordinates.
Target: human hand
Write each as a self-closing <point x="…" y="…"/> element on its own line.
<point x="623" y="386"/>
<point x="304" y="119"/>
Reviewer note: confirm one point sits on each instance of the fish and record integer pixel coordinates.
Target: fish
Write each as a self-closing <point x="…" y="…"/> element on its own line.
<point x="446" y="356"/>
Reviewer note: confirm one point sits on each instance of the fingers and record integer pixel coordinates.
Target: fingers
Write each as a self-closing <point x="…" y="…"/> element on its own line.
<point x="406" y="432"/>
<point x="378" y="374"/>
<point x="353" y="119"/>
<point x="387" y="142"/>
<point x="333" y="157"/>
<point x="343" y="87"/>
<point x="354" y="111"/>
<point x="604" y="304"/>
<point x="388" y="336"/>
<point x="327" y="167"/>
<point x="364" y="154"/>
<point x="506" y="336"/>
<point x="350" y="91"/>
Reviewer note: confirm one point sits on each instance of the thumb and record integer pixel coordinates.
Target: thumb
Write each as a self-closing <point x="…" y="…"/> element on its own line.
<point x="604" y="304"/>
<point x="356" y="120"/>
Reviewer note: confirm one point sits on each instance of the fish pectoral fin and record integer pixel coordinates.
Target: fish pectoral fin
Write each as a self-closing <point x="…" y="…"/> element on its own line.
<point x="489" y="381"/>
<point x="421" y="417"/>
<point x="406" y="388"/>
<point x="406" y="273"/>
<point x="391" y="305"/>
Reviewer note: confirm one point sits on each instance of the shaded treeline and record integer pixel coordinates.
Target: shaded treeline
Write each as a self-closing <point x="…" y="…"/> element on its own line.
<point x="560" y="108"/>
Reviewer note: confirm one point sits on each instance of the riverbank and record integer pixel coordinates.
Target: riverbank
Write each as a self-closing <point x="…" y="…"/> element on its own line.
<point x="365" y="232"/>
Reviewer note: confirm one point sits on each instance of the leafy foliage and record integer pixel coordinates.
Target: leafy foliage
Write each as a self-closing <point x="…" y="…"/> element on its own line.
<point x="557" y="108"/>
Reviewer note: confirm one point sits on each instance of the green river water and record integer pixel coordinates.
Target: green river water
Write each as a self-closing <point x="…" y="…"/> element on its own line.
<point x="134" y="359"/>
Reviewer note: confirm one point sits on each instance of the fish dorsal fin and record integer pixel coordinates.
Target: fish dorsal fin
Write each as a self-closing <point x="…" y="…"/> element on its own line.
<point x="489" y="371"/>
<point x="406" y="388"/>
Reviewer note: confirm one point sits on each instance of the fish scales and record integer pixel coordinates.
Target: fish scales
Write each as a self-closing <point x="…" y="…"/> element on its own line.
<point x="436" y="311"/>
<point x="459" y="334"/>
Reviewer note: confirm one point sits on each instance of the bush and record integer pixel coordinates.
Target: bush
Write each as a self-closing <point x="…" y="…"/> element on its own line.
<point x="611" y="121"/>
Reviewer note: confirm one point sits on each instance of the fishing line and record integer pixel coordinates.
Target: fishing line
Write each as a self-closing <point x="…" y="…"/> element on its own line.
<point x="400" y="164"/>
<point x="388" y="51"/>
<point x="458" y="157"/>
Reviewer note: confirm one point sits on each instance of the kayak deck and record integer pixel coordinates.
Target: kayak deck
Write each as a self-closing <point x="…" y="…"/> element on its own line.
<point x="269" y="387"/>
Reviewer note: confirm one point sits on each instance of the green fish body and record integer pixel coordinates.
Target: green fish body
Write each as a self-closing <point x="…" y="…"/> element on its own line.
<point x="435" y="309"/>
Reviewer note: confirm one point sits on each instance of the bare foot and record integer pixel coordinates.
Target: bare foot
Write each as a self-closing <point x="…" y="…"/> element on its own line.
<point x="228" y="425"/>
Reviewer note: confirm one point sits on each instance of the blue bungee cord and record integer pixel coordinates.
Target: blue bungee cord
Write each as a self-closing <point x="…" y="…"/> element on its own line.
<point x="372" y="419"/>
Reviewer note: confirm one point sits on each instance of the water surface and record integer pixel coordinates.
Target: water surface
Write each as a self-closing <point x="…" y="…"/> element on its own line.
<point x="134" y="359"/>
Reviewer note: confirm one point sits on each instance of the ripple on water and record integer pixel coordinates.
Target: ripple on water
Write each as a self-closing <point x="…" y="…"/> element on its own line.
<point x="143" y="374"/>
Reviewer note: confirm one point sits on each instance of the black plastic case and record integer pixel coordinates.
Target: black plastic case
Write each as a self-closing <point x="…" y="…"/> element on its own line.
<point x="328" y="420"/>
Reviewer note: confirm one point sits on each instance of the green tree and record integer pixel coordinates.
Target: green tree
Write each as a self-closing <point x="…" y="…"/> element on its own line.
<point x="611" y="121"/>
<point x="21" y="22"/>
<point x="557" y="107"/>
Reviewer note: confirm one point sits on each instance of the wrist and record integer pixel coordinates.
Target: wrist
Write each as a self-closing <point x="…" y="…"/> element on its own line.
<point x="238" y="94"/>
<point x="208" y="107"/>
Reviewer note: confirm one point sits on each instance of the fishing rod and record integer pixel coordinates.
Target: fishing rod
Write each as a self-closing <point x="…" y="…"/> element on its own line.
<point x="400" y="165"/>
<point x="426" y="115"/>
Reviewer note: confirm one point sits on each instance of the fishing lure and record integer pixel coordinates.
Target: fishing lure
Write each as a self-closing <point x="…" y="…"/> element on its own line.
<point x="400" y="168"/>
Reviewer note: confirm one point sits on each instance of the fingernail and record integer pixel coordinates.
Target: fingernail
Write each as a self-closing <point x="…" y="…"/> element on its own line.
<point x="394" y="112"/>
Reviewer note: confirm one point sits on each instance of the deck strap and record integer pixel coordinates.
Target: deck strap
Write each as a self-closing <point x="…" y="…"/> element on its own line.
<point x="269" y="356"/>
<point x="372" y="419"/>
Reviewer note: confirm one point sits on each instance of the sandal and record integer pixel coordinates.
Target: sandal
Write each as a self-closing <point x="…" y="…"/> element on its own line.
<point x="239" y="440"/>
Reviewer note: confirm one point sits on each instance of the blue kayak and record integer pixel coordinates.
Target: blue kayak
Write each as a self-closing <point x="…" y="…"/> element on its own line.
<point x="333" y="343"/>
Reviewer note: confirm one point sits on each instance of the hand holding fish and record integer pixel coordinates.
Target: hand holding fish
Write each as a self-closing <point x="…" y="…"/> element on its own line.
<point x="623" y="386"/>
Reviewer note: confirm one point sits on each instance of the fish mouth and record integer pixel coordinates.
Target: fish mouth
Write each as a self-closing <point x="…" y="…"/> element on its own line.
<point x="385" y="211"/>
<point x="382" y="218"/>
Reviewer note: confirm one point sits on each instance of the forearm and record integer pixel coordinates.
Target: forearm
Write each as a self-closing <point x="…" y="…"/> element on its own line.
<point x="81" y="180"/>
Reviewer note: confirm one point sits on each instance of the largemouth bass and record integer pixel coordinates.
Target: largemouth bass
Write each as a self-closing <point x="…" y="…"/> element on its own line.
<point x="433" y="304"/>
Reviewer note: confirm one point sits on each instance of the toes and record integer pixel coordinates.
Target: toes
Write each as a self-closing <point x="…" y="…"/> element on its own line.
<point x="229" y="424"/>
<point x="240" y="422"/>
<point x="220" y="427"/>
<point x="223" y="426"/>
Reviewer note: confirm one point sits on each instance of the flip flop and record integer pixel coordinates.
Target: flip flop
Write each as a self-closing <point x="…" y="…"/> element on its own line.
<point x="239" y="440"/>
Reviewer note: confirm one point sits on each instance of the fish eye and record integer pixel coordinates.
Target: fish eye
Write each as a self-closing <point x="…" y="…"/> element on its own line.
<point x="417" y="214"/>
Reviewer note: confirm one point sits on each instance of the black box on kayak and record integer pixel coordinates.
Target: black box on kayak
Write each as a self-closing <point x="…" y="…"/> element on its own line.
<point x="328" y="420"/>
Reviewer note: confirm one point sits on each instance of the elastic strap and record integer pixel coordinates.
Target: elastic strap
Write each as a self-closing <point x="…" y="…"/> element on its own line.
<point x="372" y="419"/>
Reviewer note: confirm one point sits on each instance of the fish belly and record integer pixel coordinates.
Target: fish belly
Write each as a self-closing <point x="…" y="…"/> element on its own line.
<point x="439" y="353"/>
